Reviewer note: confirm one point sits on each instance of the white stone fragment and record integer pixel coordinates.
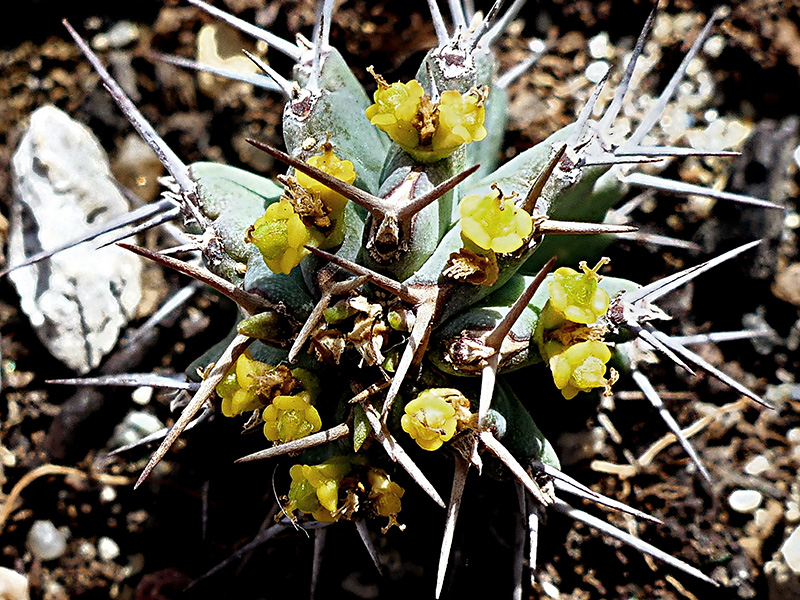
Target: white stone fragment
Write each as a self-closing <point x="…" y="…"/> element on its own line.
<point x="550" y="589"/>
<point x="45" y="541"/>
<point x="142" y="395"/>
<point x="757" y="465"/>
<point x="107" y="549"/>
<point x="600" y="47"/>
<point x="13" y="585"/>
<point x="596" y="71"/>
<point x="791" y="551"/>
<point x="78" y="300"/>
<point x="745" y="501"/>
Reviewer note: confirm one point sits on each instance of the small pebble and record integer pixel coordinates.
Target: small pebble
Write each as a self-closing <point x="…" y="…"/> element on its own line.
<point x="86" y="550"/>
<point x="599" y="46"/>
<point x="108" y="494"/>
<point x="45" y="541"/>
<point x="757" y="465"/>
<point x="121" y="34"/>
<point x="107" y="549"/>
<point x="596" y="71"/>
<point x="142" y="395"/>
<point x="745" y="501"/>
<point x="13" y="585"/>
<point x="791" y="551"/>
<point x="550" y="590"/>
<point x="134" y="427"/>
<point x="793" y="435"/>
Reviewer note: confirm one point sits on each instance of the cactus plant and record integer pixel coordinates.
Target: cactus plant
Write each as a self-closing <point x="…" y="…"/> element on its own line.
<point x="391" y="279"/>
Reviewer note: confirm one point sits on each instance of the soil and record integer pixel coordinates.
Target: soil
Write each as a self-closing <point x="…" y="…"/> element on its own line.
<point x="197" y="510"/>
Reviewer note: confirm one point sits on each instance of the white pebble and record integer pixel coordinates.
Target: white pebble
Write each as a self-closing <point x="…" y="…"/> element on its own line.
<point x="745" y="501"/>
<point x="596" y="71"/>
<point x="13" y="585"/>
<point x="108" y="494"/>
<point x="757" y="465"/>
<point x="791" y="550"/>
<point x="107" y="549"/>
<point x="45" y="541"/>
<point x="793" y="435"/>
<point x="142" y="395"/>
<point x="550" y="589"/>
<point x="599" y="46"/>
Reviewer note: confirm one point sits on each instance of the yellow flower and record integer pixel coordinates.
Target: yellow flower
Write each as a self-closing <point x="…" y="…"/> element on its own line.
<point x="315" y="488"/>
<point x="238" y="388"/>
<point x="432" y="417"/>
<point x="281" y="236"/>
<point x="332" y="165"/>
<point x="461" y="118"/>
<point x="385" y="496"/>
<point x="494" y="222"/>
<point x="395" y="108"/>
<point x="290" y="418"/>
<point x="576" y="295"/>
<point x="428" y="131"/>
<point x="580" y="367"/>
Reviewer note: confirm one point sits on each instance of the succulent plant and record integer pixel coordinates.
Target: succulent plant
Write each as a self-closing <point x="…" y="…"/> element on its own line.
<point x="394" y="275"/>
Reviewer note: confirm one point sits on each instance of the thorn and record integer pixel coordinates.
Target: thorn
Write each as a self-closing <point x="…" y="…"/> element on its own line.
<point x="658" y="108"/>
<point x="631" y="540"/>
<point x="311" y="441"/>
<point x="583" y="118"/>
<point x="453" y="506"/>
<point x="500" y="451"/>
<point x="708" y="367"/>
<point x="417" y="204"/>
<point x="642" y="237"/>
<point x="622" y="90"/>
<point x="282" y="84"/>
<point x="648" y="336"/>
<point x="671" y="151"/>
<point x="565" y="483"/>
<point x="139" y="214"/>
<point x="415" y="347"/>
<point x="238" y="345"/>
<point x="457" y="14"/>
<point x="250" y="302"/>
<point x="363" y="533"/>
<point x="316" y="63"/>
<point x="551" y="226"/>
<point x="373" y="204"/>
<point x="177" y="382"/>
<point x="721" y="336"/>
<point x="287" y="48"/>
<point x="160" y="434"/>
<point x="485" y="24"/>
<point x="643" y="383"/>
<point x="159" y="219"/>
<point x="168" y="158"/>
<point x="438" y="23"/>
<point x="266" y="83"/>
<point x="500" y="26"/>
<point x="681" y="187"/>
<point x="316" y="561"/>
<point x="390" y="285"/>
<point x="653" y="291"/>
<point x="529" y="205"/>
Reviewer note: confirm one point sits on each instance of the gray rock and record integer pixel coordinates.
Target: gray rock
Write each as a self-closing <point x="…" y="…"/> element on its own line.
<point x="45" y="541"/>
<point x="78" y="300"/>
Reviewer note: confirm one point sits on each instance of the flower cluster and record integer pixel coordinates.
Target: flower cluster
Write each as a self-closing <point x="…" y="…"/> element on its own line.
<point x="494" y="222"/>
<point x="239" y="389"/>
<point x="290" y="418"/>
<point x="281" y="237"/>
<point x="385" y="496"/>
<point x="571" y="341"/>
<point x="428" y="131"/>
<point x="433" y="417"/>
<point x="315" y="488"/>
